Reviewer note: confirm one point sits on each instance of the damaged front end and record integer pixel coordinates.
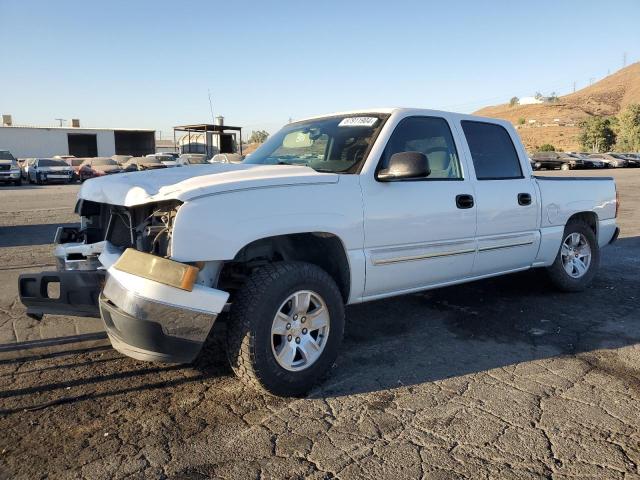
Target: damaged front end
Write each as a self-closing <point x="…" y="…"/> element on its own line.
<point x="117" y="266"/>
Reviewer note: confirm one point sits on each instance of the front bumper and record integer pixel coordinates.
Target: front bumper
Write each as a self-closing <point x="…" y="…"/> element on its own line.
<point x="144" y="318"/>
<point x="151" y="321"/>
<point x="9" y="176"/>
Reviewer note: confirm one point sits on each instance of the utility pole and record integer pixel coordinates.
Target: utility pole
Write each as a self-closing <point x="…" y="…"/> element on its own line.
<point x="61" y="120"/>
<point x="624" y="59"/>
<point x="591" y="81"/>
<point x="574" y="86"/>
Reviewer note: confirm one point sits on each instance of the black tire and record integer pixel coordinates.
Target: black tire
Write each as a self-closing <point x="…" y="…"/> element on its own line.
<point x="18" y="182"/>
<point x="249" y="339"/>
<point x="557" y="273"/>
<point x="565" y="167"/>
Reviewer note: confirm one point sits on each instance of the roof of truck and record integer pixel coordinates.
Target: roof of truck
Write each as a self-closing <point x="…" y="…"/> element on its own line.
<point x="414" y="111"/>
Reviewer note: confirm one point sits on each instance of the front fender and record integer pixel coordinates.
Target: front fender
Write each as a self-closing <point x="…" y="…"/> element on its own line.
<point x="217" y="227"/>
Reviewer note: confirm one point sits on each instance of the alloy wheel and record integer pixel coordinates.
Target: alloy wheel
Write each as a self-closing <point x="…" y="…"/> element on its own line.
<point x="576" y="255"/>
<point x="300" y="330"/>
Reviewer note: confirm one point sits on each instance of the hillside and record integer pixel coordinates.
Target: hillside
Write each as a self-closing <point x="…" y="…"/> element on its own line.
<point x="557" y="123"/>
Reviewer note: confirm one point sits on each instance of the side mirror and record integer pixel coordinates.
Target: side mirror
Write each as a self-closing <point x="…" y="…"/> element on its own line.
<point x="405" y="165"/>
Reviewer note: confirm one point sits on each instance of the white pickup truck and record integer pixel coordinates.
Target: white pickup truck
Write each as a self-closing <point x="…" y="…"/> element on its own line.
<point x="332" y="210"/>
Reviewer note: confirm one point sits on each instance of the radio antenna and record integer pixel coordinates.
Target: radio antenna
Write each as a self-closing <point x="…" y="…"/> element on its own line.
<point x="211" y="107"/>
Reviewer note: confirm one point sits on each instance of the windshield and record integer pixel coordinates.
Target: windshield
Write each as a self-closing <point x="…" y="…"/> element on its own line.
<point x="197" y="159"/>
<point x="101" y="162"/>
<point x="52" y="163"/>
<point x="6" y="155"/>
<point x="335" y="144"/>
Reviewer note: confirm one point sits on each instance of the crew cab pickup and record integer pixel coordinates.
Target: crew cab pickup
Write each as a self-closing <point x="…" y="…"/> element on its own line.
<point x="332" y="210"/>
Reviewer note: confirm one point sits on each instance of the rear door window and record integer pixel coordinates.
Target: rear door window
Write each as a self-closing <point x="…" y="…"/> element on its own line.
<point x="492" y="151"/>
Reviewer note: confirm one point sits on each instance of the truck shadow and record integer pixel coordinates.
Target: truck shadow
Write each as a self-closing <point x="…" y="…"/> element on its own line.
<point x="29" y="235"/>
<point x="391" y="343"/>
<point x="488" y="324"/>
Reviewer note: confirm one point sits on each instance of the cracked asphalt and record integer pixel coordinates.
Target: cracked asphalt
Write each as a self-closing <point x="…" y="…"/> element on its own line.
<point x="503" y="378"/>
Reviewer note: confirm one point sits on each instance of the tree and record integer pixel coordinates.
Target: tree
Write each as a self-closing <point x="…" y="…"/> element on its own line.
<point x="553" y="97"/>
<point x="514" y="101"/>
<point x="547" y="147"/>
<point x="538" y="96"/>
<point x="597" y="134"/>
<point x="258" y="136"/>
<point x="628" y="129"/>
<point x="521" y="121"/>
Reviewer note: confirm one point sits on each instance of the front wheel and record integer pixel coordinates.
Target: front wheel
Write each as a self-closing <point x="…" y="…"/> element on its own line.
<point x="285" y="328"/>
<point x="578" y="258"/>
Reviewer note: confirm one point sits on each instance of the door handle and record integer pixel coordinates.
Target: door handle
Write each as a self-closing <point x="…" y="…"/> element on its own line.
<point x="524" y="199"/>
<point x="464" y="201"/>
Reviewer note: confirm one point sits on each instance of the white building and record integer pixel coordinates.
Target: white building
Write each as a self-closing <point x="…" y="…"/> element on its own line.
<point x="43" y="142"/>
<point x="530" y="101"/>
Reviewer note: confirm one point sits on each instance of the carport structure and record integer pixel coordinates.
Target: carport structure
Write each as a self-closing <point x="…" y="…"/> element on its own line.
<point x="224" y="135"/>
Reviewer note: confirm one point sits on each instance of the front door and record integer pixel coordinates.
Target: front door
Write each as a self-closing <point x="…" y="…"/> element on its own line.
<point x="419" y="232"/>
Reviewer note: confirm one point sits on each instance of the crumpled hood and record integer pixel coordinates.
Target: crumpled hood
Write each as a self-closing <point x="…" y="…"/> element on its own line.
<point x="136" y="188"/>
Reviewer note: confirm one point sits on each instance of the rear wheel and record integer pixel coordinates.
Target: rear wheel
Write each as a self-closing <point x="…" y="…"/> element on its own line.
<point x="578" y="258"/>
<point x="285" y="328"/>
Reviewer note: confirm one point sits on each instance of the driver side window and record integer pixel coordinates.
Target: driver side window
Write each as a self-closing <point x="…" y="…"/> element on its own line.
<point x="430" y="136"/>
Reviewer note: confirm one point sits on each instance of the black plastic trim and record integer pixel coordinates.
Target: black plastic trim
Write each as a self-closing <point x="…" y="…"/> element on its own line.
<point x="79" y="292"/>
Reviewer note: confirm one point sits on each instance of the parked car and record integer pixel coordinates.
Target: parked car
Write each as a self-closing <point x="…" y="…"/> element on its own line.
<point x="143" y="163"/>
<point x="609" y="160"/>
<point x="97" y="167"/>
<point x="584" y="161"/>
<point x="75" y="164"/>
<point x="561" y="160"/>
<point x="629" y="159"/>
<point x="24" y="168"/>
<point x="121" y="159"/>
<point x="49" y="170"/>
<point x="9" y="169"/>
<point x="323" y="214"/>
<point x="227" y="158"/>
<point x="168" y="159"/>
<point x="191" y="159"/>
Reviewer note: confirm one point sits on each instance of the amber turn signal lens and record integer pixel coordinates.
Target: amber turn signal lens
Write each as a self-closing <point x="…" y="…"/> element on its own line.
<point x="158" y="269"/>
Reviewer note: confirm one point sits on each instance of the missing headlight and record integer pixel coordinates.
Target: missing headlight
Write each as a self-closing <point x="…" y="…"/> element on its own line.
<point x="154" y="233"/>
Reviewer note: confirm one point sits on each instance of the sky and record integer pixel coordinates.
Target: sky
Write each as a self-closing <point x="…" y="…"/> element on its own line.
<point x="153" y="64"/>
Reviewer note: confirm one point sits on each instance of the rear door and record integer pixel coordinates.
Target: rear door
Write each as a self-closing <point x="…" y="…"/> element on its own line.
<point x="507" y="201"/>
